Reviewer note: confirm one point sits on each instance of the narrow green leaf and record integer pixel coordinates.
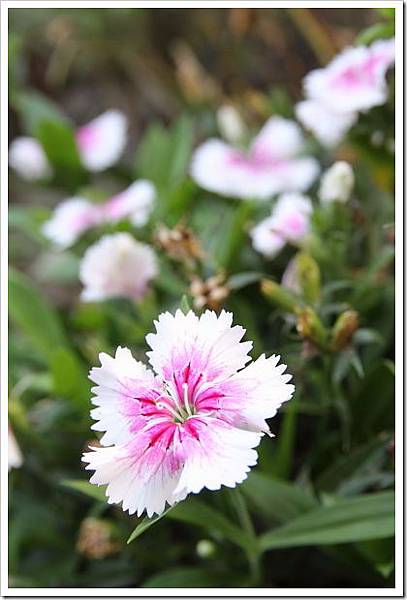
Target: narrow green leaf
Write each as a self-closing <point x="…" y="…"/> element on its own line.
<point x="184" y="304"/>
<point x="146" y="523"/>
<point x="240" y="280"/>
<point x="70" y="377"/>
<point x="360" y="518"/>
<point x="84" y="487"/>
<point x="34" y="315"/>
<point x="196" y="512"/>
<point x="277" y="500"/>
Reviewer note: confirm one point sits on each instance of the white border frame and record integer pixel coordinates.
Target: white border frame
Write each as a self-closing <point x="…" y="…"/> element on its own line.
<point x="398" y="590"/>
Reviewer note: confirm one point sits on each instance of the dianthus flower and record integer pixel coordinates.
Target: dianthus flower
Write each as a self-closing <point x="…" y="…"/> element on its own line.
<point x="74" y="216"/>
<point x="190" y="423"/>
<point x="271" y="165"/>
<point x="354" y="81"/>
<point x="289" y="222"/>
<point x="115" y="266"/>
<point x="100" y="144"/>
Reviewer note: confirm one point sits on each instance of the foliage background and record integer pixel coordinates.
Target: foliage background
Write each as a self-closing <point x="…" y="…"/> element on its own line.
<point x="169" y="70"/>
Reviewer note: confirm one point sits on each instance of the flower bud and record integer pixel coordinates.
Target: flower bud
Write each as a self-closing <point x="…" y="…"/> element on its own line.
<point x="230" y="124"/>
<point x="310" y="327"/>
<point x="337" y="183"/>
<point x="280" y="297"/>
<point x="205" y="548"/>
<point x="343" y="329"/>
<point x="309" y="276"/>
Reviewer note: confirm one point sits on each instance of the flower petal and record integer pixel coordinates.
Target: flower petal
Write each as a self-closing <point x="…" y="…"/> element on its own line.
<point x="70" y="219"/>
<point x="208" y="344"/>
<point x="279" y="138"/>
<point x="328" y="126"/>
<point x="27" y="157"/>
<point x="135" y="203"/>
<point x="101" y="142"/>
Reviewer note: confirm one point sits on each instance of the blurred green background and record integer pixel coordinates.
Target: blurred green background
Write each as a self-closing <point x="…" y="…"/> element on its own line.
<point x="169" y="70"/>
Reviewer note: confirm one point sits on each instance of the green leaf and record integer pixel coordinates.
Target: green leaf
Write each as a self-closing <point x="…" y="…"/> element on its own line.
<point x="36" y="108"/>
<point x="240" y="280"/>
<point x="30" y="310"/>
<point x="84" y="487"/>
<point x="58" y="141"/>
<point x="184" y="304"/>
<point x="277" y="500"/>
<point x="360" y="518"/>
<point x="70" y="377"/>
<point x="181" y="148"/>
<point x="146" y="523"/>
<point x="377" y="31"/>
<point x="342" y="470"/>
<point x="233" y="235"/>
<point x="196" y="512"/>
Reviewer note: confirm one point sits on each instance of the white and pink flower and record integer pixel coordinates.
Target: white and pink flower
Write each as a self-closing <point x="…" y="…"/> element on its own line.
<point x="134" y="203"/>
<point x="70" y="220"/>
<point x="289" y="222"/>
<point x="76" y="215"/>
<point x="102" y="141"/>
<point x="354" y="81"/>
<point x="190" y="423"/>
<point x="100" y="144"/>
<point x="117" y="266"/>
<point x="27" y="157"/>
<point x="272" y="164"/>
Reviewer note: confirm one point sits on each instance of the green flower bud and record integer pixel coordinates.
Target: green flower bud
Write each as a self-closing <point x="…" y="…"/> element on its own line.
<point x="344" y="328"/>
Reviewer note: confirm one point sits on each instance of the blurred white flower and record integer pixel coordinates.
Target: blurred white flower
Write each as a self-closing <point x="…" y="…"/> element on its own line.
<point x="230" y="123"/>
<point x="70" y="219"/>
<point x="328" y="126"/>
<point x="272" y="164"/>
<point x="102" y="141"/>
<point x="354" y="81"/>
<point x="15" y="458"/>
<point x="117" y="266"/>
<point x="28" y="159"/>
<point x="337" y="183"/>
<point x="289" y="222"/>
<point x="135" y="203"/>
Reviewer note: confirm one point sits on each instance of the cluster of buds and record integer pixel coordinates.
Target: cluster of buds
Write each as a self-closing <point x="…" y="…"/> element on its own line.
<point x="95" y="540"/>
<point x="298" y="293"/>
<point x="209" y="293"/>
<point x="179" y="243"/>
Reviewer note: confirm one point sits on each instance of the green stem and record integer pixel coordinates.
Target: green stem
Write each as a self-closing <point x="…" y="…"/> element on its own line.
<point x="253" y="551"/>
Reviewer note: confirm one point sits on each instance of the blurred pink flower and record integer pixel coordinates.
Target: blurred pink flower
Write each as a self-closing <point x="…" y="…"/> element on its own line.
<point x="76" y="215"/>
<point x="135" y="203"/>
<point x="117" y="266"/>
<point x="70" y="219"/>
<point x="100" y="144"/>
<point x="191" y="424"/>
<point x="270" y="166"/>
<point x="288" y="222"/>
<point x="354" y="81"/>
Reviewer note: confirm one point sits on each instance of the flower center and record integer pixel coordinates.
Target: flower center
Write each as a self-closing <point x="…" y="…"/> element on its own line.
<point x="178" y="405"/>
